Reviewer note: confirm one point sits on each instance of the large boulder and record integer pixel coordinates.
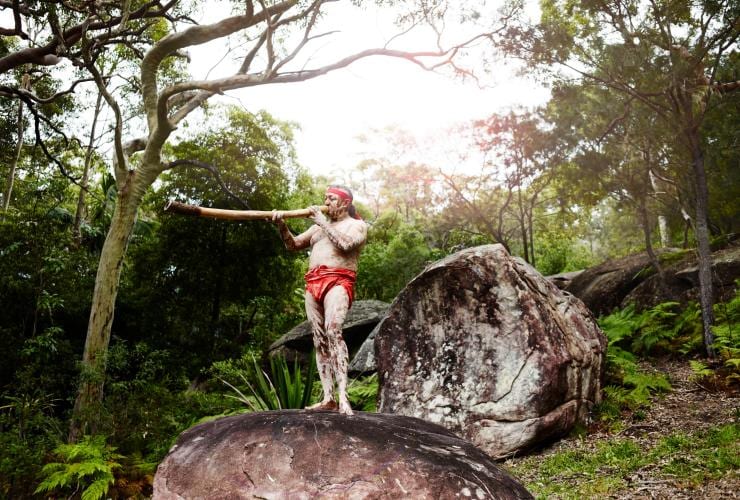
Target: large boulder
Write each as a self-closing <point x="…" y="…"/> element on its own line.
<point x="562" y="280"/>
<point x="362" y="317"/>
<point x="363" y="362"/>
<point x="481" y="343"/>
<point x="298" y="454"/>
<point x="682" y="280"/>
<point x="602" y="288"/>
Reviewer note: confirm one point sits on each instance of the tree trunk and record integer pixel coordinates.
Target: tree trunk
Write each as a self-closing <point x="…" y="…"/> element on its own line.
<point x="706" y="292"/>
<point x="523" y="226"/>
<point x="79" y="213"/>
<point x="645" y="222"/>
<point x="531" y="236"/>
<point x="665" y="237"/>
<point x="16" y="158"/>
<point x="86" y="411"/>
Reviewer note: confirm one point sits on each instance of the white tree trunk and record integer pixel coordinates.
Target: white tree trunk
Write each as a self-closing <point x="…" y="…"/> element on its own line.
<point x="16" y="158"/>
<point x="90" y="395"/>
<point x="665" y="236"/>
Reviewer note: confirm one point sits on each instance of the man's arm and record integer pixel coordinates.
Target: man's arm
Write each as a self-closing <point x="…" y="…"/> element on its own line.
<point x="292" y="242"/>
<point x="347" y="240"/>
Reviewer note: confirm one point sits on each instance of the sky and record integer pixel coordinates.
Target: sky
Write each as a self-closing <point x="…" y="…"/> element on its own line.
<point x="376" y="93"/>
<point x="373" y="93"/>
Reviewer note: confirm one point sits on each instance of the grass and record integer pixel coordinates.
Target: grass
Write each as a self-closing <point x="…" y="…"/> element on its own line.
<point x="686" y="459"/>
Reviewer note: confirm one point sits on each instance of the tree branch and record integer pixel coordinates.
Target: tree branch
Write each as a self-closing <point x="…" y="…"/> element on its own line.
<point x="196" y="35"/>
<point x="49" y="54"/>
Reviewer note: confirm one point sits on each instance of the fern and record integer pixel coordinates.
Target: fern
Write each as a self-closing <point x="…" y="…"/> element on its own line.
<point x="701" y="370"/>
<point x="726" y="330"/>
<point x="621" y="324"/>
<point x="363" y="393"/>
<point x="657" y="327"/>
<point x="87" y="465"/>
<point x="629" y="387"/>
<point x="642" y="332"/>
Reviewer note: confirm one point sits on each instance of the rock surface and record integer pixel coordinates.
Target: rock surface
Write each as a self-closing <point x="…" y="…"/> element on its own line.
<point x="562" y="280"/>
<point x="298" y="454"/>
<point x="682" y="281"/>
<point x="481" y="343"/>
<point x="363" y="363"/>
<point x="602" y="288"/>
<point x="361" y="319"/>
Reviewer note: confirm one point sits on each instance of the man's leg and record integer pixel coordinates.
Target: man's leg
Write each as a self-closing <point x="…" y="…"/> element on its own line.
<point x="336" y="305"/>
<point x="322" y="344"/>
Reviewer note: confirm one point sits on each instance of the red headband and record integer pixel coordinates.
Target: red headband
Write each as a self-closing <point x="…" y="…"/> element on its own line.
<point x="340" y="192"/>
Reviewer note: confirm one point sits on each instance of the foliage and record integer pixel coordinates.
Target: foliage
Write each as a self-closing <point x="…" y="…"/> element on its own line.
<point x="139" y="374"/>
<point x="29" y="429"/>
<point x="630" y="333"/>
<point x="627" y="385"/>
<point x="282" y="389"/>
<point x="87" y="466"/>
<point x="387" y="265"/>
<point x="218" y="285"/>
<point x="658" y="329"/>
<point x="726" y="341"/>
<point x="595" y="473"/>
<point x="557" y="253"/>
<point x="363" y="393"/>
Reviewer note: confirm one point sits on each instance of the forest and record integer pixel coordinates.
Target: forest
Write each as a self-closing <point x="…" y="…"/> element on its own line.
<point x="122" y="325"/>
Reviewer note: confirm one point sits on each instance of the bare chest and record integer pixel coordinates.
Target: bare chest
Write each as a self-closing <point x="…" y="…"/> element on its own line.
<point x="320" y="239"/>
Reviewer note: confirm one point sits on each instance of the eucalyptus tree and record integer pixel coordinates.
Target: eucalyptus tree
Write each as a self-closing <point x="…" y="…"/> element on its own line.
<point x="619" y="149"/>
<point x="269" y="55"/>
<point x="664" y="54"/>
<point x="43" y="44"/>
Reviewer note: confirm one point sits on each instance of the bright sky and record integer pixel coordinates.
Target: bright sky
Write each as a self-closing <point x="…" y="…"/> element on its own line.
<point x="374" y="93"/>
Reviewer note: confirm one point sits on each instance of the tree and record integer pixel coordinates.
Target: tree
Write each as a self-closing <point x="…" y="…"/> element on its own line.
<point x="47" y="34"/>
<point x="520" y="157"/>
<point x="139" y="162"/>
<point x="623" y="157"/>
<point x="218" y="285"/>
<point x="663" y="54"/>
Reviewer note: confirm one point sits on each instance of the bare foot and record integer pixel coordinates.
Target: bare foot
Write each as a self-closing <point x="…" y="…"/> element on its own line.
<point x="329" y="404"/>
<point x="345" y="408"/>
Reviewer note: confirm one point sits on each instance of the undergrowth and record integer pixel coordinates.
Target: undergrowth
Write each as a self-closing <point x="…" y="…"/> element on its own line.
<point x="283" y="388"/>
<point x="86" y="468"/>
<point x="686" y="458"/>
<point x="627" y="386"/>
<point x="665" y="329"/>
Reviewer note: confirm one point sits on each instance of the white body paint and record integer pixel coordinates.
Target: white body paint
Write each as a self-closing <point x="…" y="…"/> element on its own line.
<point x="335" y="242"/>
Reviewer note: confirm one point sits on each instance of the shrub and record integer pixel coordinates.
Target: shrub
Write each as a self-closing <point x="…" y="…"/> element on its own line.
<point x="628" y="386"/>
<point x="363" y="393"/>
<point x="284" y="388"/>
<point x="28" y="432"/>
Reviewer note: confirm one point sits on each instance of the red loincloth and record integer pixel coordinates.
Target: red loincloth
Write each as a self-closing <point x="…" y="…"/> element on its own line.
<point x="321" y="279"/>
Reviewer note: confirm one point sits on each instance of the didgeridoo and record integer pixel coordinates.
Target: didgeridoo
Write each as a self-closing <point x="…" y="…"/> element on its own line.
<point x="175" y="207"/>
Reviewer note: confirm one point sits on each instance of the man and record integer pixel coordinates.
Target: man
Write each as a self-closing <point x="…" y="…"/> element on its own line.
<point x="335" y="244"/>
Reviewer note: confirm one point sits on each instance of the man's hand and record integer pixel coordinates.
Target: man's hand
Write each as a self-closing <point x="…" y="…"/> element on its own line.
<point x="277" y="217"/>
<point x="318" y="216"/>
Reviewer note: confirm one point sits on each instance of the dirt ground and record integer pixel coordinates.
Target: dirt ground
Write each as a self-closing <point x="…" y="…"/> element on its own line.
<point x="689" y="407"/>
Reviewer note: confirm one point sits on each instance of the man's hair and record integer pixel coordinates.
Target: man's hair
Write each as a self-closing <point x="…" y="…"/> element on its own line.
<point x="351" y="210"/>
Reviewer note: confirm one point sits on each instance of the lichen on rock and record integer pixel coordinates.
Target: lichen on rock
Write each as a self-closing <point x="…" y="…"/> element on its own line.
<point x="482" y="344"/>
